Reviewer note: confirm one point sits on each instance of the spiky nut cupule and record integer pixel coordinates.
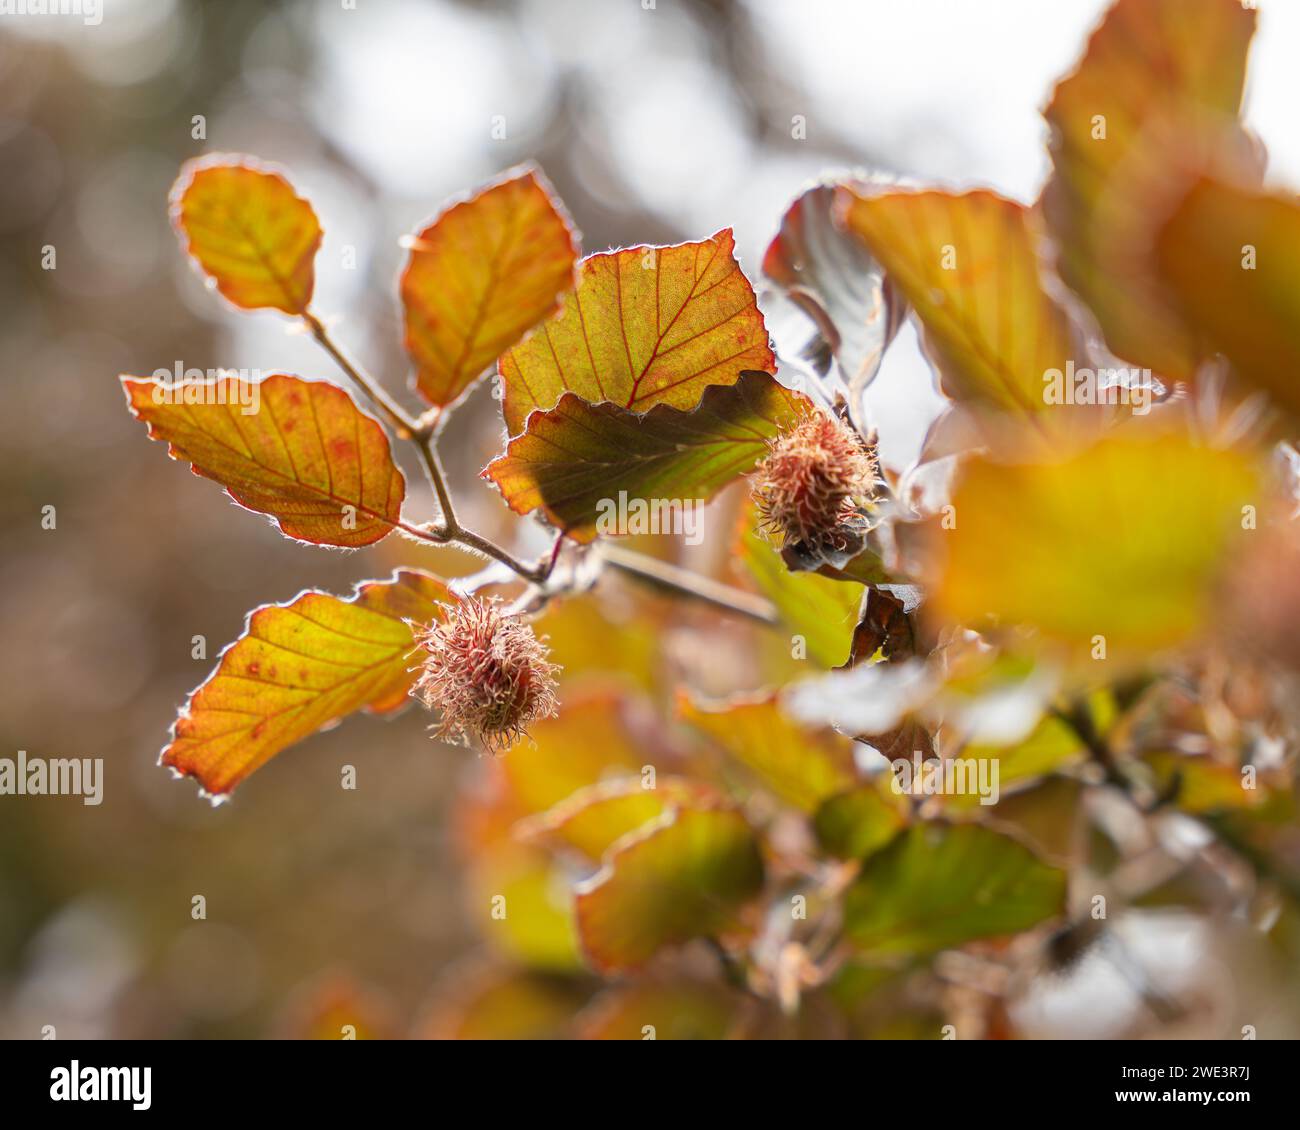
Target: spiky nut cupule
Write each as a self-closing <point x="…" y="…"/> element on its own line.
<point x="485" y="674"/>
<point x="809" y="486"/>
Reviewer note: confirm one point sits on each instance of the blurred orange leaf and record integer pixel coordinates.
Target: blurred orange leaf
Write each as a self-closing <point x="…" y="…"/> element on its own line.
<point x="591" y="739"/>
<point x="684" y="876"/>
<point x="591" y="819"/>
<point x="298" y="667"/>
<point x="1158" y="89"/>
<point x="966" y="263"/>
<point x="1122" y="542"/>
<point x="679" y="1010"/>
<point x="480" y="276"/>
<point x="249" y="231"/>
<point x="300" y="451"/>
<point x="645" y="326"/>
<point x="577" y="461"/>
<point x="801" y="765"/>
<point x="1232" y="259"/>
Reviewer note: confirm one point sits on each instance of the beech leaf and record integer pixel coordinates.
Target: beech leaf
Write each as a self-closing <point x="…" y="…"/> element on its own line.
<point x="1230" y="256"/>
<point x="480" y="275"/>
<point x="299" y="667"/>
<point x="937" y="886"/>
<point x="684" y="876"/>
<point x="1121" y="543"/>
<point x="801" y="765"/>
<point x="300" y="451"/>
<point x="1157" y="90"/>
<point x="644" y="326"/>
<point x="254" y="237"/>
<point x="574" y="461"/>
<point x="967" y="264"/>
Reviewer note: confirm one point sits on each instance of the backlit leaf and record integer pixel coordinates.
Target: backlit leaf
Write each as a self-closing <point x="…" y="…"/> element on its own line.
<point x="853" y="824"/>
<point x="298" y="667"/>
<point x="591" y="739"/>
<point x="249" y="231"/>
<point x="591" y="819"/>
<point x="801" y="765"/>
<point x="938" y="886"/>
<point x="1158" y="90"/>
<point x="480" y="275"/>
<point x="1118" y="545"/>
<point x="820" y="610"/>
<point x="593" y="468"/>
<point x="832" y="310"/>
<point x="684" y="876"/>
<point x="645" y="326"/>
<point x="503" y="1004"/>
<point x="1232" y="258"/>
<point x="967" y="265"/>
<point x="686" y="1010"/>
<point x="307" y="455"/>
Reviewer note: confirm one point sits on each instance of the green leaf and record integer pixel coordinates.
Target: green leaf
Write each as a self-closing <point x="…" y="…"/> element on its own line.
<point x="821" y="610"/>
<point x="684" y="876"/>
<point x="599" y="468"/>
<point x="938" y="886"/>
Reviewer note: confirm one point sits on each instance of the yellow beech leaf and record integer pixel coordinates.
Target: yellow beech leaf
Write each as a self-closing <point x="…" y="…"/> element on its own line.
<point x="966" y="263"/>
<point x="684" y="876"/>
<point x="1114" y="550"/>
<point x="801" y="765"/>
<point x="677" y="1010"/>
<point x="1232" y="259"/>
<point x="591" y="739"/>
<point x="299" y="667"/>
<point x="1157" y="91"/>
<point x="591" y="819"/>
<point x="599" y="468"/>
<point x="300" y="451"/>
<point x="480" y="275"/>
<point x="645" y="326"/>
<point x="254" y="237"/>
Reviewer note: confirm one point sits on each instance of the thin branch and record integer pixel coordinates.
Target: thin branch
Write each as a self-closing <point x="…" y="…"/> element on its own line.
<point x="678" y="580"/>
<point x="397" y="415"/>
<point x="438" y="480"/>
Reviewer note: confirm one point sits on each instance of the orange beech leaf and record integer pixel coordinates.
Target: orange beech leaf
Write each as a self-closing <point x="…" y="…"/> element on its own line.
<point x="480" y="275"/>
<point x="683" y="876"/>
<point x="1156" y="94"/>
<point x="966" y="263"/>
<point x="300" y="451"/>
<point x="591" y="819"/>
<point x="801" y="765"/>
<point x="575" y="461"/>
<point x="250" y="232"/>
<point x="645" y="326"/>
<point x="1232" y="258"/>
<point x="1119" y="546"/>
<point x="297" y="668"/>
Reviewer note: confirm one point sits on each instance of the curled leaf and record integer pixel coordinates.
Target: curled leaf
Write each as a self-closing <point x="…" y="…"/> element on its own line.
<point x="599" y="468"/>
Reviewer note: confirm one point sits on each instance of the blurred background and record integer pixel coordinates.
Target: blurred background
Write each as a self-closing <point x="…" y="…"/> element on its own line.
<point x="656" y="122"/>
